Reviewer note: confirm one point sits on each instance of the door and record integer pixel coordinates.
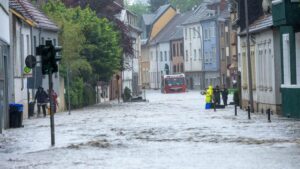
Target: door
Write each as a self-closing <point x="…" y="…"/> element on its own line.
<point x="1" y="88"/>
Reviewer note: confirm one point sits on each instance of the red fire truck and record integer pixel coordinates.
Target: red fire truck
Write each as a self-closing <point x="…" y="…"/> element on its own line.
<point x="173" y="83"/>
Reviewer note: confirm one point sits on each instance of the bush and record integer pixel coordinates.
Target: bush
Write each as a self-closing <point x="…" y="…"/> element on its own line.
<point x="127" y="94"/>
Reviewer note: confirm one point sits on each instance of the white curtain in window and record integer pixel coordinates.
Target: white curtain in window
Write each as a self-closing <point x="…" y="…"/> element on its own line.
<point x="286" y="59"/>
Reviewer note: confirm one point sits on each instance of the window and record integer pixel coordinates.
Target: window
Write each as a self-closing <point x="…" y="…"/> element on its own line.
<point x="223" y="54"/>
<point x="174" y="68"/>
<point x="195" y="54"/>
<point x="182" y="68"/>
<point x="161" y="56"/>
<point x="186" y="32"/>
<point x="198" y="31"/>
<point x="187" y="55"/>
<point x="181" y="49"/>
<point x="244" y="68"/>
<point x="206" y="57"/>
<point x="206" y="36"/>
<point x="151" y="55"/>
<point x="199" y="54"/>
<point x="213" y="32"/>
<point x="28" y="45"/>
<point x="253" y="66"/>
<point x="222" y="30"/>
<point x="174" y="50"/>
<point x="35" y="45"/>
<point x="166" y="58"/>
<point x="43" y="41"/>
<point x="177" y="49"/>
<point x="194" y="30"/>
<point x="214" y="55"/>
<point x="190" y="33"/>
<point x="54" y="42"/>
<point x="1" y="61"/>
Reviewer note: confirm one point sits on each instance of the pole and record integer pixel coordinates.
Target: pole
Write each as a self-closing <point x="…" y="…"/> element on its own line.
<point x="52" y="104"/>
<point x="249" y="114"/>
<point x="235" y="109"/>
<point x="157" y="57"/>
<point x="249" y="59"/>
<point x="68" y="83"/>
<point x="269" y="115"/>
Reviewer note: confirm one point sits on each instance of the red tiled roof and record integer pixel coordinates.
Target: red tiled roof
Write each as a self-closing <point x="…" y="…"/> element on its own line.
<point x="27" y="10"/>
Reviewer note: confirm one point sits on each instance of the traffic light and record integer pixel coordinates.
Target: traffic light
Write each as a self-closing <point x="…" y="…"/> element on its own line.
<point x="49" y="57"/>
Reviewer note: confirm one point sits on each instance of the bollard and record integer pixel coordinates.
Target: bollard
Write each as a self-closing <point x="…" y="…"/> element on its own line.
<point x="215" y="106"/>
<point x="269" y="115"/>
<point x="235" y="109"/>
<point x="249" y="116"/>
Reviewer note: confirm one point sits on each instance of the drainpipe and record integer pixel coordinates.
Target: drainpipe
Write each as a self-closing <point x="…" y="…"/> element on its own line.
<point x="22" y="55"/>
<point x="202" y="48"/>
<point x="156" y="55"/>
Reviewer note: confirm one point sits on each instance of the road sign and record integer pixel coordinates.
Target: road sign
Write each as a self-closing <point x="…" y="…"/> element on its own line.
<point x="27" y="70"/>
<point x="30" y="61"/>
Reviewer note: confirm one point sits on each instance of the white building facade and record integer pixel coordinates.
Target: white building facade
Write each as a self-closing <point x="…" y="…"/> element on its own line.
<point x="131" y="74"/>
<point x="5" y="73"/>
<point x="266" y="69"/>
<point x="193" y="54"/>
<point x="29" y="29"/>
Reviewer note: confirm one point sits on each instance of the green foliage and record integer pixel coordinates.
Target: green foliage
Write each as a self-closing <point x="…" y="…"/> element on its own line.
<point x="76" y="92"/>
<point x="91" y="49"/>
<point x="155" y="4"/>
<point x="127" y="94"/>
<point x="139" y="9"/>
<point x="185" y="5"/>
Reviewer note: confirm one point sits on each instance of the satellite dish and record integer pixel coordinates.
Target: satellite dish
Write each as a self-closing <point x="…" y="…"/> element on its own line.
<point x="30" y="61"/>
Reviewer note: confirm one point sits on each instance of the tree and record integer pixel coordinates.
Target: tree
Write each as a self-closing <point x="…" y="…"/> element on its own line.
<point x="139" y="9"/>
<point x="92" y="49"/>
<point x="155" y="4"/>
<point x="186" y="4"/>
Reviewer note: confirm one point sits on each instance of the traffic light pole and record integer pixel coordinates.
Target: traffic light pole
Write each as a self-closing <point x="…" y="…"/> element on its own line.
<point x="52" y="104"/>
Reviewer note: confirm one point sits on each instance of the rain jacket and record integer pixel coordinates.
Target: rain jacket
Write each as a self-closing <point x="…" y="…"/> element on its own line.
<point x="209" y="94"/>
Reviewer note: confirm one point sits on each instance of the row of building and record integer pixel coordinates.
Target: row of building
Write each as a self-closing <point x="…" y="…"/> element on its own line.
<point x="196" y="43"/>
<point x="209" y="45"/>
<point x="274" y="51"/>
<point x="24" y="27"/>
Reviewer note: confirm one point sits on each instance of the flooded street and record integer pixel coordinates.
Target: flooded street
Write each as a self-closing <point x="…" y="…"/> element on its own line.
<point x="168" y="132"/>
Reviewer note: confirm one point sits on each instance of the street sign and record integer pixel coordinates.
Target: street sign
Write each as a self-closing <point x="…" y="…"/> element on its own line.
<point x="27" y="70"/>
<point x="30" y="61"/>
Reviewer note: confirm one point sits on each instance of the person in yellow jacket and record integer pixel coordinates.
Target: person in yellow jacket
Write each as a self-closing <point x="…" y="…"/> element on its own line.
<point x="208" y="97"/>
